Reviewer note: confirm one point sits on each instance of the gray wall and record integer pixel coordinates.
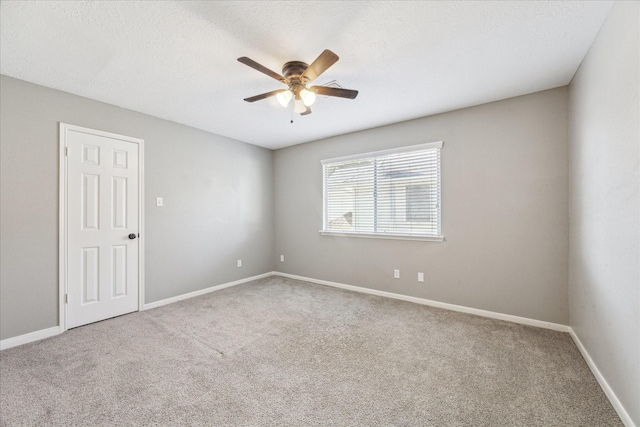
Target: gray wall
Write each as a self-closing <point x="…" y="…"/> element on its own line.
<point x="504" y="211"/>
<point x="218" y="196"/>
<point x="604" y="275"/>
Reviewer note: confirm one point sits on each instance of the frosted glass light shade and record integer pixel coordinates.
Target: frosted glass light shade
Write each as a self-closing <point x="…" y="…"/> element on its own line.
<point x="308" y="97"/>
<point x="299" y="107"/>
<point x="284" y="97"/>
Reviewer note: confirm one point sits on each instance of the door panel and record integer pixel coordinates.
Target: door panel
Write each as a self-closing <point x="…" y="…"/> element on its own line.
<point x="90" y="275"/>
<point x="119" y="277"/>
<point x="102" y="210"/>
<point x="119" y="190"/>
<point x="90" y="201"/>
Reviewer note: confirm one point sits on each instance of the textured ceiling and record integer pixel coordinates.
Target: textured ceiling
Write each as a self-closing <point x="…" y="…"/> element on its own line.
<point x="177" y="59"/>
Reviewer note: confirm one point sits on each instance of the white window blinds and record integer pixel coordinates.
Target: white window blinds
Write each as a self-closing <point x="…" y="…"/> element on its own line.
<point x="386" y="193"/>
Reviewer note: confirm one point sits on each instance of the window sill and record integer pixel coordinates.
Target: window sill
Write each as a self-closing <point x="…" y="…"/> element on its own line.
<point x="383" y="236"/>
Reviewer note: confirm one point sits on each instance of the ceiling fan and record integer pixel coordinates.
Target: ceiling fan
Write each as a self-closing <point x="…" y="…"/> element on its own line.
<point x="296" y="75"/>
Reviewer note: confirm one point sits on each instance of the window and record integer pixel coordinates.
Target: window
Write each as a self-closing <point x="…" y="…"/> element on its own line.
<point x="391" y="193"/>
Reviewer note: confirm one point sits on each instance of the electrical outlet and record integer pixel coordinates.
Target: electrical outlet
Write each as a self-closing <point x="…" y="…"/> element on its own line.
<point x="420" y="277"/>
<point x="281" y="258"/>
<point x="396" y="274"/>
<point x="239" y="263"/>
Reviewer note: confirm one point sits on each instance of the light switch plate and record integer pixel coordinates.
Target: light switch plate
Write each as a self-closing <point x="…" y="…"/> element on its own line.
<point x="159" y="201"/>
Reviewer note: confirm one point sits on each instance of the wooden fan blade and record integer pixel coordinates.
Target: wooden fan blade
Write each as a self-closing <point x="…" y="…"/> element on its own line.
<point x="253" y="64"/>
<point x="307" y="111"/>
<point x="334" y="91"/>
<point x="264" y="95"/>
<point x="320" y="65"/>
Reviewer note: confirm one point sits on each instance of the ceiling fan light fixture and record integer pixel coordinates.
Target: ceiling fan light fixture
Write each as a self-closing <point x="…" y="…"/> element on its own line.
<point x="299" y="106"/>
<point x="308" y="97"/>
<point x="284" y="97"/>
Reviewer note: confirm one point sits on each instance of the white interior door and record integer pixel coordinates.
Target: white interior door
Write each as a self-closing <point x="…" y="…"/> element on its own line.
<point x="102" y="225"/>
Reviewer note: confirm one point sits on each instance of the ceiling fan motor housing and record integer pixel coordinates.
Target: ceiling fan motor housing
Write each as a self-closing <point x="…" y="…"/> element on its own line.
<point x="294" y="69"/>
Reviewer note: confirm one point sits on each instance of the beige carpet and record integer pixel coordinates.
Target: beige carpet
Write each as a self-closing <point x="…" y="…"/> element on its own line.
<point x="279" y="352"/>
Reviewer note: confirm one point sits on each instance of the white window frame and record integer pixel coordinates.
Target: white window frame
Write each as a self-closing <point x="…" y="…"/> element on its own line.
<point x="386" y="235"/>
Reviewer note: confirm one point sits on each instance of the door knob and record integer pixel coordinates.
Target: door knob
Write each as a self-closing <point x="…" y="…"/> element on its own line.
<point x="132" y="236"/>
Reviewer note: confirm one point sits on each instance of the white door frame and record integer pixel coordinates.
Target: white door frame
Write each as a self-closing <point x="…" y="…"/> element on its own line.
<point x="62" y="233"/>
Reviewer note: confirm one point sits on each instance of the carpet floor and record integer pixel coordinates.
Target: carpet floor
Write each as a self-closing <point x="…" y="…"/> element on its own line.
<point x="280" y="352"/>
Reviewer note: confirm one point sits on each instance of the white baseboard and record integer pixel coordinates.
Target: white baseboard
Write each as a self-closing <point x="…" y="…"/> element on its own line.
<point x="30" y="337"/>
<point x="622" y="413"/>
<point x="160" y="303"/>
<point x="453" y="307"/>
<point x="617" y="405"/>
<point x="56" y="330"/>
